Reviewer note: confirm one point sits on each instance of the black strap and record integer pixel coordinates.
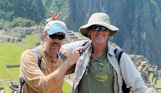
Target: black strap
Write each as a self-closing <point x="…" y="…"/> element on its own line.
<point x="86" y="44"/>
<point x="22" y="82"/>
<point x="62" y="55"/>
<point x="118" y="53"/>
<point x="39" y="56"/>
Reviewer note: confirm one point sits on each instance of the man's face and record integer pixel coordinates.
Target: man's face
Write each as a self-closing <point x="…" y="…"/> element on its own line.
<point x="53" y="42"/>
<point x="99" y="34"/>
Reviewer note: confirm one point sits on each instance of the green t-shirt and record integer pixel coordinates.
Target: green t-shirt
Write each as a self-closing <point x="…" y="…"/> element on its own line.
<point x="98" y="78"/>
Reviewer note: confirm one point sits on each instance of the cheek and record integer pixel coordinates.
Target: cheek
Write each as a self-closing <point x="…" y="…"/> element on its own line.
<point x="46" y="39"/>
<point x="62" y="41"/>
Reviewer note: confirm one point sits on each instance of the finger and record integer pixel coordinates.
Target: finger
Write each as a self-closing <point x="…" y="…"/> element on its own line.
<point x="58" y="16"/>
<point x="52" y="15"/>
<point x="80" y="48"/>
<point x="48" y="20"/>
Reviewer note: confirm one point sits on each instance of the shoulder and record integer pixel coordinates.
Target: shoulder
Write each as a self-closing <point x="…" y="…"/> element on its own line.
<point x="28" y="52"/>
<point x="76" y="43"/>
<point x="65" y="52"/>
<point x="28" y="56"/>
<point x="73" y="45"/>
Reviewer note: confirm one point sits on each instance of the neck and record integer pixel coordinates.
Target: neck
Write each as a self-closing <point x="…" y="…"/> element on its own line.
<point x="99" y="49"/>
<point x="50" y="54"/>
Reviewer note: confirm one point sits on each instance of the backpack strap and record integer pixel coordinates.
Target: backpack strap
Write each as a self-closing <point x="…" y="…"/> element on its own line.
<point x="62" y="55"/>
<point x="39" y="57"/>
<point x="86" y="44"/>
<point x="22" y="82"/>
<point x="118" y="53"/>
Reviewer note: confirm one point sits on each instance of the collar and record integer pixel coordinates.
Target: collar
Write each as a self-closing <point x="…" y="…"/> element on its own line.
<point x="110" y="49"/>
<point x="44" y="55"/>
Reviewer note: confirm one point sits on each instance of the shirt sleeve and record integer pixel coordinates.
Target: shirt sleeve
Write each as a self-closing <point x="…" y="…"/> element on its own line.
<point x="70" y="46"/>
<point x="131" y="75"/>
<point x="33" y="76"/>
<point x="66" y="54"/>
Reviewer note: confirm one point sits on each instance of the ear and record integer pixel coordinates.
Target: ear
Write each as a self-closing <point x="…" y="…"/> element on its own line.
<point x="89" y="35"/>
<point x="44" y="36"/>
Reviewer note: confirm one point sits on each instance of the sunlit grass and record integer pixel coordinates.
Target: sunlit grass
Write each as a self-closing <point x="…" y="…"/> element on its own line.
<point x="151" y="75"/>
<point x="33" y="38"/>
<point x="29" y="43"/>
<point x="66" y="87"/>
<point x="9" y="55"/>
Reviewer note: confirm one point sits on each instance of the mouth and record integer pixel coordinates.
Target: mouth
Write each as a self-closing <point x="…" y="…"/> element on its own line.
<point x="55" y="44"/>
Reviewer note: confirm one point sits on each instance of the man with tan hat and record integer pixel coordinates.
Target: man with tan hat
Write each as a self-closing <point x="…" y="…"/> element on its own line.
<point x="98" y="70"/>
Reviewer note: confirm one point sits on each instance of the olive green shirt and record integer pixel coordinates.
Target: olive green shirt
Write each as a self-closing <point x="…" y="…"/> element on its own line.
<point x="98" y="77"/>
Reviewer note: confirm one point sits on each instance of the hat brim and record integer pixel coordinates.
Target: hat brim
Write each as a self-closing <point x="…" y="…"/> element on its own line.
<point x="53" y="31"/>
<point x="84" y="31"/>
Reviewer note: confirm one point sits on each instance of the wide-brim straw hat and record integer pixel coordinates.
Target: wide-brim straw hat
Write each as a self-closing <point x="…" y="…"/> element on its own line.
<point x="99" y="19"/>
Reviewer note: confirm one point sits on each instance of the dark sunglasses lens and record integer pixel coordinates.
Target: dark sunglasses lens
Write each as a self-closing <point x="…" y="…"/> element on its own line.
<point x="60" y="37"/>
<point x="96" y="28"/>
<point x="103" y="28"/>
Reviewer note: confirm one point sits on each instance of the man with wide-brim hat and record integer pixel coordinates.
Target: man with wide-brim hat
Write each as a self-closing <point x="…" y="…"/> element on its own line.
<point x="99" y="19"/>
<point x="97" y="70"/>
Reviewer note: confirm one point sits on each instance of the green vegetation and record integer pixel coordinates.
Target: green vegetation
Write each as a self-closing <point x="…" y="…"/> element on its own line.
<point x="159" y="85"/>
<point x="8" y="36"/>
<point x="9" y="56"/>
<point x="28" y="43"/>
<point x="158" y="11"/>
<point x="151" y="75"/>
<point x="20" y="22"/>
<point x="57" y="6"/>
<point x="33" y="38"/>
<point x="66" y="87"/>
<point x="0" y="33"/>
<point x="3" y="21"/>
<point x="158" y="82"/>
<point x="28" y="9"/>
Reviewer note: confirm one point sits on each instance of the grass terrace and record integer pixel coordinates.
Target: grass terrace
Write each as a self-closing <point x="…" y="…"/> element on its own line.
<point x="33" y="38"/>
<point x="28" y="43"/>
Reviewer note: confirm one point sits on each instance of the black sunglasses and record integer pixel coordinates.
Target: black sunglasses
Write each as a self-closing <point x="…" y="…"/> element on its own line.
<point x="55" y="36"/>
<point x="98" y="28"/>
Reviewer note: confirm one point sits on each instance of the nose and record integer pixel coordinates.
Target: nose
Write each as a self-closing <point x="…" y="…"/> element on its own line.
<point x="99" y="31"/>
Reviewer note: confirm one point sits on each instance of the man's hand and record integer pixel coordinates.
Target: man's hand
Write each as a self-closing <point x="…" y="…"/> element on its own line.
<point x="53" y="17"/>
<point x="74" y="55"/>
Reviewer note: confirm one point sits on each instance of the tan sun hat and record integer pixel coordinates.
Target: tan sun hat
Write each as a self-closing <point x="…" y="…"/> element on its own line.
<point x="98" y="19"/>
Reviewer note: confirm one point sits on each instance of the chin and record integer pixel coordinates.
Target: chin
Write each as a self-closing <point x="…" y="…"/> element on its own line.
<point x="101" y="41"/>
<point x="56" y="48"/>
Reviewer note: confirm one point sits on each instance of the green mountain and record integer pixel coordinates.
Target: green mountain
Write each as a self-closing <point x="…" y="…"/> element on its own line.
<point x="28" y="9"/>
<point x="139" y="21"/>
